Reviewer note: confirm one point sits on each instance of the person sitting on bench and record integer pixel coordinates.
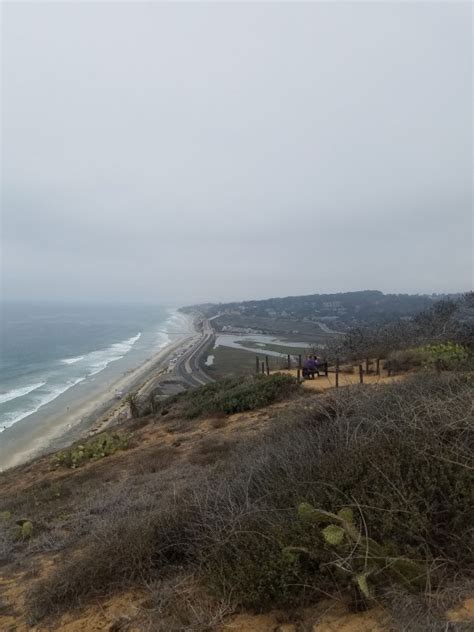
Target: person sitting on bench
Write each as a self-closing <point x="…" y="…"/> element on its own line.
<point x="318" y="364"/>
<point x="309" y="367"/>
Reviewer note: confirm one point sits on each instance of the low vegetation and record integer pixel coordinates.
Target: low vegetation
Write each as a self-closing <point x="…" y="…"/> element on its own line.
<point x="399" y="457"/>
<point x="447" y="356"/>
<point x="367" y="492"/>
<point x="97" y="447"/>
<point x="232" y="395"/>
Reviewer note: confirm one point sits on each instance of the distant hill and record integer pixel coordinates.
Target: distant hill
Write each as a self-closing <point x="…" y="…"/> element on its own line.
<point x="340" y="311"/>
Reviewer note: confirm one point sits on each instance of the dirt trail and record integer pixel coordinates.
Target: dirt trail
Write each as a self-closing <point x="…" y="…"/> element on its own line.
<point x="325" y="382"/>
<point x="326" y="617"/>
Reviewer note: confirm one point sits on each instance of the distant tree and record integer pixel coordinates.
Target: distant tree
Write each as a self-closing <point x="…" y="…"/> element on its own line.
<point x="132" y="401"/>
<point x="445" y="321"/>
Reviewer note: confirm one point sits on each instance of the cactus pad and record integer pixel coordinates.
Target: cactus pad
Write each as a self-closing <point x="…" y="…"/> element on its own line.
<point x="361" y="581"/>
<point x="307" y="513"/>
<point x="346" y="514"/>
<point x="26" y="530"/>
<point x="333" y="534"/>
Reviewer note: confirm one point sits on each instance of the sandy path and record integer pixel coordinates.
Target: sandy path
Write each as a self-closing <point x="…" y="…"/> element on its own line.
<point x="324" y="382"/>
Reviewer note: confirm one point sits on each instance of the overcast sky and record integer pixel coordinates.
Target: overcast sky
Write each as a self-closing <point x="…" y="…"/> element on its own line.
<point x="194" y="152"/>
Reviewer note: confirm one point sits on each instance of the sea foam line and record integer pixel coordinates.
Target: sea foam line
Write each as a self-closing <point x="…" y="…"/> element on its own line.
<point x="99" y="360"/>
<point x="72" y="360"/>
<point x="15" y="393"/>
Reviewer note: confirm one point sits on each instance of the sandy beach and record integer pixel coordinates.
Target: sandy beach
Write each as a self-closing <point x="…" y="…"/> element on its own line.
<point x="77" y="413"/>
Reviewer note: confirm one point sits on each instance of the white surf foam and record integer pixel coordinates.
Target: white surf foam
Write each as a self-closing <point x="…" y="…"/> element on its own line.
<point x="177" y="324"/>
<point x="72" y="360"/>
<point x="99" y="360"/>
<point x="19" y="392"/>
<point x="48" y="396"/>
<point x="168" y="331"/>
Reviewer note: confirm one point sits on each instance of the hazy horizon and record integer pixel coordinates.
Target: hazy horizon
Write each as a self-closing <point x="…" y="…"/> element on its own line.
<point x="182" y="153"/>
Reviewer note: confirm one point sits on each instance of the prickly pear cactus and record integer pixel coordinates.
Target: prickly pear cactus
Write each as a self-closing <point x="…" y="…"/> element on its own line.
<point x="363" y="557"/>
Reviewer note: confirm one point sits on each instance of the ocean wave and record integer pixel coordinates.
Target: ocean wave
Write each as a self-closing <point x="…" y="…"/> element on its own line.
<point x="15" y="393"/>
<point x="175" y="325"/>
<point x="72" y="360"/>
<point x="91" y="364"/>
<point x="48" y="396"/>
<point x="162" y="340"/>
<point x="99" y="360"/>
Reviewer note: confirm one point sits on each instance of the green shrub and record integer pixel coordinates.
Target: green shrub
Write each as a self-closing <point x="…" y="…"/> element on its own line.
<point x="446" y="356"/>
<point x="94" y="449"/>
<point x="250" y="564"/>
<point x="234" y="395"/>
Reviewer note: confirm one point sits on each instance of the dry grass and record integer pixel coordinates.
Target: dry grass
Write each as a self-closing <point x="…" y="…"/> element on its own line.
<point x="199" y="520"/>
<point x="179" y="603"/>
<point x="400" y="456"/>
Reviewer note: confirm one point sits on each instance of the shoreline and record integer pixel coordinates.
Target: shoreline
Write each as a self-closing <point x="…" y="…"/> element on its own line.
<point x="86" y="416"/>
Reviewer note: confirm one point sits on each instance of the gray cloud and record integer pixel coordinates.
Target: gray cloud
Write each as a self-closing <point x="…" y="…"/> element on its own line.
<point x="185" y="152"/>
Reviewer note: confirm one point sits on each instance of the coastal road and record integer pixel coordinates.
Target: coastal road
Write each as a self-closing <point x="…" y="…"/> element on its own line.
<point x="187" y="366"/>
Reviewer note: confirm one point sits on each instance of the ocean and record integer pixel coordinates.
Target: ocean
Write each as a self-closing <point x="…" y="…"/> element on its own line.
<point x="49" y="349"/>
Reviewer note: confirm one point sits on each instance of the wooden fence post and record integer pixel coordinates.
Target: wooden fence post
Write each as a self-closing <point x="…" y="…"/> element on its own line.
<point x="378" y="366"/>
<point x="263" y="368"/>
<point x="337" y="372"/>
<point x="367" y="365"/>
<point x="298" y="375"/>
<point x="289" y="362"/>
<point x="299" y="361"/>
<point x="257" y="365"/>
<point x="267" y="365"/>
<point x="361" y="374"/>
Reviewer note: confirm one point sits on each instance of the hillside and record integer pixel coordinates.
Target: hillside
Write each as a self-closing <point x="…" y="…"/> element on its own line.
<point x="339" y="311"/>
<point x="263" y="502"/>
<point x="195" y="516"/>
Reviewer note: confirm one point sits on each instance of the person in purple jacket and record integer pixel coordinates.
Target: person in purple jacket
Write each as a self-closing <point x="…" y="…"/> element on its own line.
<point x="309" y="367"/>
